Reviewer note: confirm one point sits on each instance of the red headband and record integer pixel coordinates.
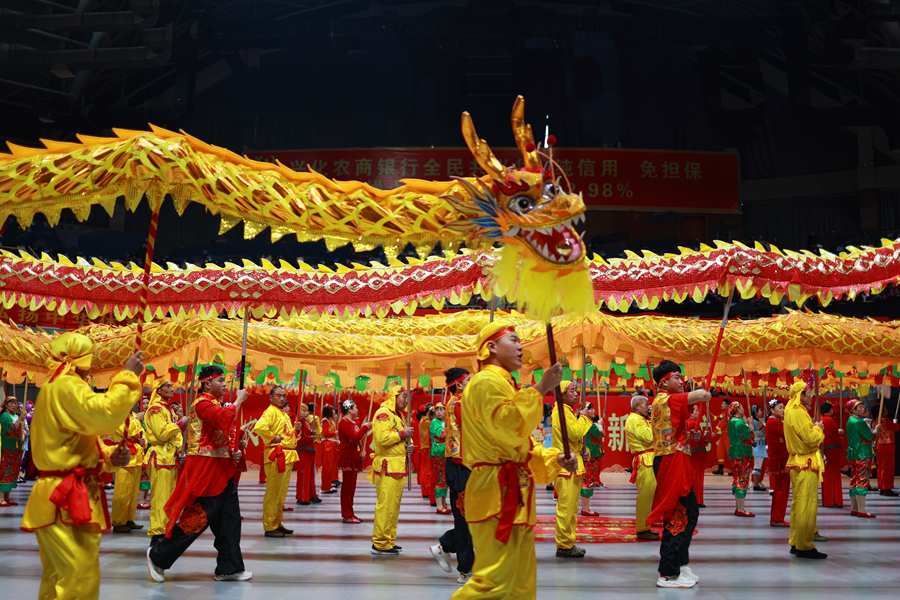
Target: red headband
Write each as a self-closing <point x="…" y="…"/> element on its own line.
<point x="667" y="375"/>
<point x="458" y="379"/>
<point x="210" y="377"/>
<point x="499" y="335"/>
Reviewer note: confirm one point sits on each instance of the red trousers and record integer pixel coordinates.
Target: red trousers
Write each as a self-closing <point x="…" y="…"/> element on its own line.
<point x="329" y="464"/>
<point x="885" y="455"/>
<point x="306" y="480"/>
<point x="348" y="491"/>
<point x="698" y="461"/>
<point x="832" y="492"/>
<point x="426" y="478"/>
<point x="781" y="489"/>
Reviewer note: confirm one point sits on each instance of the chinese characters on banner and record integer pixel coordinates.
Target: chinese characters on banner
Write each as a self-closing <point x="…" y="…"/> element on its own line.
<point x="608" y="178"/>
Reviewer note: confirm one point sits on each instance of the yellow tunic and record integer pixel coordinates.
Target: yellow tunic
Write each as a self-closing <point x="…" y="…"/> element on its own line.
<point x="389" y="456"/>
<point x="497" y="422"/>
<point x="274" y="422"/>
<point x="135" y="435"/>
<point x="639" y="434"/>
<point x="803" y="439"/>
<point x="577" y="427"/>
<point x="69" y="419"/>
<point x="163" y="435"/>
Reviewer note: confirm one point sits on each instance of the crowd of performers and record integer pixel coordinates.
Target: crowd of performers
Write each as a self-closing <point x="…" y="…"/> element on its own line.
<point x="480" y="455"/>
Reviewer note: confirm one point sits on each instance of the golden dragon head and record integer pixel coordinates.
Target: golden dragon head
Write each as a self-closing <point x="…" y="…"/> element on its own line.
<point x="526" y="207"/>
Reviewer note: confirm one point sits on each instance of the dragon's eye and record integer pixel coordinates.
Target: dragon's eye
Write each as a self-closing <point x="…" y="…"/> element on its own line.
<point x="521" y="205"/>
<point x="550" y="191"/>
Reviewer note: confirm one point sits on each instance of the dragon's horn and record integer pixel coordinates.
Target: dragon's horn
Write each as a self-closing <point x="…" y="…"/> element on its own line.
<point x="523" y="134"/>
<point x="481" y="151"/>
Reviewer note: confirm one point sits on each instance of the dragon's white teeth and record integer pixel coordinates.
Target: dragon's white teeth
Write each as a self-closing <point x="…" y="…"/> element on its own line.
<point x="513" y="232"/>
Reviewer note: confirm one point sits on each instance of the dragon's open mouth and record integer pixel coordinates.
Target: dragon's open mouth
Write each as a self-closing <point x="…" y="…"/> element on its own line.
<point x="559" y="244"/>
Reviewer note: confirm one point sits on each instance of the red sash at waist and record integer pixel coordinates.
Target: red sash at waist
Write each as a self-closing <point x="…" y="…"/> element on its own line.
<point x="508" y="476"/>
<point x="71" y="493"/>
<point x="636" y="464"/>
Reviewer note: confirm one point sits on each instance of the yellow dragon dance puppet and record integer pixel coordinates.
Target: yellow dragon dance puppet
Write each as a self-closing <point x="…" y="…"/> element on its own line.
<point x="529" y="210"/>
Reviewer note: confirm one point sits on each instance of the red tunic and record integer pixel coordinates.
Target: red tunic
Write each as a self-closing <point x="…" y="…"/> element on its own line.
<point x="775" y="445"/>
<point x="307" y="437"/>
<point x="350" y="435"/>
<point x="832" y="437"/>
<point x="204" y="476"/>
<point x="676" y="475"/>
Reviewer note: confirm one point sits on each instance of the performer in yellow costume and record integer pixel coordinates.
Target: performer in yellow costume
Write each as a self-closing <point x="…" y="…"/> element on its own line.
<point x="280" y="437"/>
<point x="67" y="506"/>
<point x="392" y="447"/>
<point x="568" y="485"/>
<point x="496" y="440"/>
<point x="806" y="467"/>
<point x="128" y="480"/>
<point x="639" y="434"/>
<point x="165" y="439"/>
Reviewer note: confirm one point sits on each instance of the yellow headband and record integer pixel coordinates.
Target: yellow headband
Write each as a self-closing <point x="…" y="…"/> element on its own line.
<point x="490" y="332"/>
<point x="68" y="352"/>
<point x="155" y="393"/>
<point x="796" y="392"/>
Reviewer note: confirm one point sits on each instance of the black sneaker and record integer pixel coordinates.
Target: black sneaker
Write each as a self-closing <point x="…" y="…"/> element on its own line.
<point x="811" y="554"/>
<point x="316" y="500"/>
<point x="392" y="552"/>
<point x="284" y="529"/>
<point x="793" y="549"/>
<point x="573" y="552"/>
<point x="336" y="483"/>
<point x="134" y="525"/>
<point x="398" y="548"/>
<point x="156" y="539"/>
<point x="302" y="503"/>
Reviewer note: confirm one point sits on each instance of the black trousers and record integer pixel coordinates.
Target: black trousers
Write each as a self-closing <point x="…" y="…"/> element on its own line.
<point x="220" y="513"/>
<point x="458" y="540"/>
<point x="674" y="549"/>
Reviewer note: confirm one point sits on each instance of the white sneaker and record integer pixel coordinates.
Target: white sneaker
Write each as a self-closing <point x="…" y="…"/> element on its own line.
<point x="156" y="573"/>
<point x="464" y="577"/>
<point x="242" y="576"/>
<point x="442" y="557"/>
<point x="675" y="582"/>
<point x="686" y="571"/>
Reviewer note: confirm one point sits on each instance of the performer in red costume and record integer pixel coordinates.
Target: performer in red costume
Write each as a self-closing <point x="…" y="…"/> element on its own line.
<point x="779" y="478"/>
<point x="206" y="493"/>
<point x="832" y="490"/>
<point x="885" y="447"/>
<point x="350" y="435"/>
<point x="698" y="440"/>
<point x="674" y="503"/>
<point x="306" y="466"/>
<point x="329" y="447"/>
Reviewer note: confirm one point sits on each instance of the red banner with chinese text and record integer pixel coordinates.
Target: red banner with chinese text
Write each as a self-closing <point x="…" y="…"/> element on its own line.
<point x="608" y="178"/>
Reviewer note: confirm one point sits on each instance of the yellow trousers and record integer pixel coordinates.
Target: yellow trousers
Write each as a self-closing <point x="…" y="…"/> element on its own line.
<point x="277" y="485"/>
<point x="125" y="494"/>
<point x="162" y="482"/>
<point x="569" y="490"/>
<point x="646" y="485"/>
<point x="70" y="558"/>
<point x="501" y="571"/>
<point x="389" y="494"/>
<point x="804" y="506"/>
